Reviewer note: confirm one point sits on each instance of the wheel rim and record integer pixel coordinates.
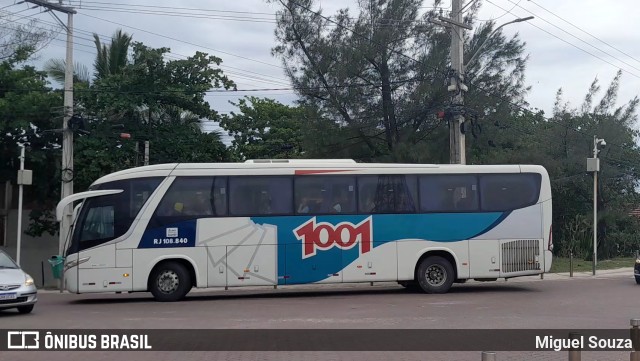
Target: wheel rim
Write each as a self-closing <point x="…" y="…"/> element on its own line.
<point x="168" y="281"/>
<point x="436" y="275"/>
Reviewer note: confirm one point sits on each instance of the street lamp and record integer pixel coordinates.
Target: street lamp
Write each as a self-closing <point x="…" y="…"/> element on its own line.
<point x="593" y="165"/>
<point x="475" y="55"/>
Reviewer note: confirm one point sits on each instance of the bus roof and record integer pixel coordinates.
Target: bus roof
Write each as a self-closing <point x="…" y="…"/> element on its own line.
<point x="307" y="166"/>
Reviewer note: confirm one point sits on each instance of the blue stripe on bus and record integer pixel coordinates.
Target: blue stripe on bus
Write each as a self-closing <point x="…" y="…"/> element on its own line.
<point x="443" y="227"/>
<point x="294" y="268"/>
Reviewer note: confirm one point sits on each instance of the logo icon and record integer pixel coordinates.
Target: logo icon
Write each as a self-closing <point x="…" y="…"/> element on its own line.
<point x="22" y="340"/>
<point x="172" y="232"/>
<point x="324" y="236"/>
<point x="4" y="287"/>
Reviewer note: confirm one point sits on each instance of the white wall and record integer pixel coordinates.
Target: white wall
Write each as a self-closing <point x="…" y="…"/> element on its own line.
<point x="34" y="251"/>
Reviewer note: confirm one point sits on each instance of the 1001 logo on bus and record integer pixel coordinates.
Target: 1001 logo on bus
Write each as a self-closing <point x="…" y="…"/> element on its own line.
<point x="324" y="236"/>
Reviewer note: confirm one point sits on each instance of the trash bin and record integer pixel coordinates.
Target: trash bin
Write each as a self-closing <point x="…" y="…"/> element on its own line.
<point x="57" y="264"/>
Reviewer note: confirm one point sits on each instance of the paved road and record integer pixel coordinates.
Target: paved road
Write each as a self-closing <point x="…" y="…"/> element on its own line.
<point x="608" y="301"/>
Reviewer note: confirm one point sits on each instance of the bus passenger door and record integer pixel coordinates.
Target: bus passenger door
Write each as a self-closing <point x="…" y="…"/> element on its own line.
<point x="484" y="258"/>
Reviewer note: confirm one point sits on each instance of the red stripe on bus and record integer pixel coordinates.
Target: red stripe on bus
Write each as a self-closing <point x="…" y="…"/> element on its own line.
<point x="319" y="171"/>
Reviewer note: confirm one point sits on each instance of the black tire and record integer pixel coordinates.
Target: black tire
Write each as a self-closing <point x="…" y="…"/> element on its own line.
<point x="435" y="275"/>
<point x="25" y="309"/>
<point x="638" y="280"/>
<point x="170" y="282"/>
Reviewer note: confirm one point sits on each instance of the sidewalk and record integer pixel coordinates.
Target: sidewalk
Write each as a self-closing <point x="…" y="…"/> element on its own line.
<point x="626" y="272"/>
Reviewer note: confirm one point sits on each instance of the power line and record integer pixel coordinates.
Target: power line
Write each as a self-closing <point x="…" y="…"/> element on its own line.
<point x="278" y="81"/>
<point x="584" y="31"/>
<point x="503" y="14"/>
<point x="566" y="32"/>
<point x="573" y="45"/>
<point x="8" y="6"/>
<point x="178" y="91"/>
<point x="153" y="10"/>
<point x="184" y="15"/>
<point x="184" y="42"/>
<point x="81" y="2"/>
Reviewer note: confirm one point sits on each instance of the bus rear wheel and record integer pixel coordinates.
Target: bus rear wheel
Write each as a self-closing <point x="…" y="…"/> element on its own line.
<point x="169" y="282"/>
<point x="435" y="275"/>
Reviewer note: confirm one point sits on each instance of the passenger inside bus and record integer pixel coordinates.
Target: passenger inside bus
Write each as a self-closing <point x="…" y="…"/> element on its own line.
<point x="304" y="205"/>
<point x="197" y="205"/>
<point x="339" y="204"/>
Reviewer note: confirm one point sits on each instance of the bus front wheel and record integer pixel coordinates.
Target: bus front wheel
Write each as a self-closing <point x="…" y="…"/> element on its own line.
<point x="435" y="275"/>
<point x="170" y="281"/>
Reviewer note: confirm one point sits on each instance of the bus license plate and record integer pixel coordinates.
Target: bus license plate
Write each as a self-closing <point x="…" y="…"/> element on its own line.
<point x="8" y="296"/>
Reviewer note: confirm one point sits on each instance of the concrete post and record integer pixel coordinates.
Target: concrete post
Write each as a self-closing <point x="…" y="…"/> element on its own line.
<point x="571" y="264"/>
<point x="574" y="355"/>
<point x="634" y="333"/>
<point x="488" y="356"/>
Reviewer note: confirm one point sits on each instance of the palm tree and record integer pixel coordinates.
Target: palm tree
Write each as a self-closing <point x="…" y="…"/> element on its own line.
<point x="56" y="69"/>
<point x="111" y="59"/>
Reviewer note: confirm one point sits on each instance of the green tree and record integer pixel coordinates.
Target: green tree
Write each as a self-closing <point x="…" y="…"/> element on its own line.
<point x="19" y="41"/>
<point x="381" y="76"/>
<point x="28" y="108"/>
<point x="562" y="144"/>
<point x="153" y="99"/>
<point x="265" y="128"/>
<point x="110" y="60"/>
<point x="147" y="96"/>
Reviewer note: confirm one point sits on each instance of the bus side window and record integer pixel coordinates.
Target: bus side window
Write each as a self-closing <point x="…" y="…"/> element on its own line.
<point x="387" y="193"/>
<point x="268" y="195"/>
<point x="502" y="192"/>
<point x="448" y="193"/>
<point x="321" y="194"/>
<point x="192" y="198"/>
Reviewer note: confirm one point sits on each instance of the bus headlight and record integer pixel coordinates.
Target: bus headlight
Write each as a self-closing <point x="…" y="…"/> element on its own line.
<point x="28" y="281"/>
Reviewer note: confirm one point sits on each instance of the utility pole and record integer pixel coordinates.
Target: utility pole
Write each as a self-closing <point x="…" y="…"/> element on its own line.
<point x="457" y="150"/>
<point x="456" y="137"/>
<point x="67" y="134"/>
<point x="146" y="152"/>
<point x="456" y="87"/>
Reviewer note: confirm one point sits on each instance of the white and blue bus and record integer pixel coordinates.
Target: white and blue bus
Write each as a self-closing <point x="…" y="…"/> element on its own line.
<point x="168" y="228"/>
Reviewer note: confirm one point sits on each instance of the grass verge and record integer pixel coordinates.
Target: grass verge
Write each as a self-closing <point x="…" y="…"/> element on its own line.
<point x="561" y="264"/>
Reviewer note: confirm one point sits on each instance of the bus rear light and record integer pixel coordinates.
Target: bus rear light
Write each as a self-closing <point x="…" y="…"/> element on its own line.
<point x="550" y="245"/>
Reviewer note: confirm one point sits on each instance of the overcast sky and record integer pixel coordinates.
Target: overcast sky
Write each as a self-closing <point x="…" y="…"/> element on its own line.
<point x="569" y="42"/>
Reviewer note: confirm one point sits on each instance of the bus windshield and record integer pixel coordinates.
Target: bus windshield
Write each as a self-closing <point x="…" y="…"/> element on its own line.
<point x="108" y="217"/>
